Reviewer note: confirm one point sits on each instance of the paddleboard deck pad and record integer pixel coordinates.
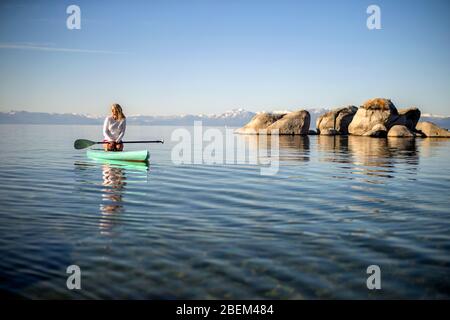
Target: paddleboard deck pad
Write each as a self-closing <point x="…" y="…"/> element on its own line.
<point x="138" y="155"/>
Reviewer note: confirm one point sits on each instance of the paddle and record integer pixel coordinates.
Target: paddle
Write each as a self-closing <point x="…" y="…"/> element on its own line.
<point x="83" y="143"/>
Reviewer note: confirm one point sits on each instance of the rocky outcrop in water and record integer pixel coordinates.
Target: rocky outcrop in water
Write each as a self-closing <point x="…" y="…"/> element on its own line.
<point x="293" y="123"/>
<point x="336" y="121"/>
<point x="259" y="122"/>
<point x="374" y="118"/>
<point x="429" y="129"/>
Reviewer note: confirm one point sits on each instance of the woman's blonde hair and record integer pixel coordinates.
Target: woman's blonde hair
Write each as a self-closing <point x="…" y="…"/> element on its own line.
<point x="116" y="107"/>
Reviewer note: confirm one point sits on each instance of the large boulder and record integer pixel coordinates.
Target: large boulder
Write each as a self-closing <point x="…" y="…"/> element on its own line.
<point x="375" y="112"/>
<point x="336" y="121"/>
<point x="292" y="123"/>
<point x="259" y="122"/>
<point x="429" y="129"/>
<point x="401" y="132"/>
<point x="409" y="117"/>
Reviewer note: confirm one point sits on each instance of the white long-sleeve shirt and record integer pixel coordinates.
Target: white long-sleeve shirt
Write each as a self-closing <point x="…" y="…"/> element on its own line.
<point x="113" y="130"/>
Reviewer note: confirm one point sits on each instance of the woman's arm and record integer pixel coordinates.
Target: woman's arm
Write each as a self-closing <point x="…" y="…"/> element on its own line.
<point x="106" y="132"/>
<point x="123" y="126"/>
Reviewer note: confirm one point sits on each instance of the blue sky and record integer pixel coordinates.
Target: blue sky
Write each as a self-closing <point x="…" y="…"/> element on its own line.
<point x="175" y="57"/>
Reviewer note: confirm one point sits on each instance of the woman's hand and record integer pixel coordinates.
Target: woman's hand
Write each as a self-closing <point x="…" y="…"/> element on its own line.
<point x="110" y="145"/>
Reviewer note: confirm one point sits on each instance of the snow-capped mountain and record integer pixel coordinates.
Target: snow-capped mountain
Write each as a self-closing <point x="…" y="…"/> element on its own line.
<point x="233" y="114"/>
<point x="235" y="117"/>
<point x="26" y="117"/>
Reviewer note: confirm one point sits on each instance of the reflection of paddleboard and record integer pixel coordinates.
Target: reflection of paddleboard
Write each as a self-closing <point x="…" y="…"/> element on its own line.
<point x="140" y="155"/>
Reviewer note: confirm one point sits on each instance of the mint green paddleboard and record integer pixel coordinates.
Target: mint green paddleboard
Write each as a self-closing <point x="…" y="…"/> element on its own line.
<point x="139" y="155"/>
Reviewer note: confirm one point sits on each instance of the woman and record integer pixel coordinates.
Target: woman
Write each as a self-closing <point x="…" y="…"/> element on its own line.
<point x="114" y="129"/>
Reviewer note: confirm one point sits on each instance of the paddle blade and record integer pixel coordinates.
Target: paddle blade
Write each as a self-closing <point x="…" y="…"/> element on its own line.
<point x="82" y="143"/>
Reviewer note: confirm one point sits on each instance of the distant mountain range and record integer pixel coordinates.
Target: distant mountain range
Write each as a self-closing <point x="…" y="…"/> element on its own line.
<point x="232" y="118"/>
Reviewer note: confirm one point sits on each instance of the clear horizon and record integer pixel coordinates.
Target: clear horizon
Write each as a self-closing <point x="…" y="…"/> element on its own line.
<point x="203" y="57"/>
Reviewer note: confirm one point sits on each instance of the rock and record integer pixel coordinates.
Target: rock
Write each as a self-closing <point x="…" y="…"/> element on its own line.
<point x="337" y="119"/>
<point x="400" y="131"/>
<point x="287" y="124"/>
<point x="312" y="133"/>
<point x="259" y="122"/>
<point x="377" y="131"/>
<point x="409" y="117"/>
<point x="429" y="129"/>
<point x="329" y="132"/>
<point x="292" y="123"/>
<point x="373" y="113"/>
<point x="344" y="119"/>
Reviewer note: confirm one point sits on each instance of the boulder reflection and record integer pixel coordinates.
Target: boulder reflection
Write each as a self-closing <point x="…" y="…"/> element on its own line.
<point x="333" y="149"/>
<point x="376" y="158"/>
<point x="294" y="148"/>
<point x="370" y="157"/>
<point x="404" y="150"/>
<point x="291" y="147"/>
<point x="430" y="146"/>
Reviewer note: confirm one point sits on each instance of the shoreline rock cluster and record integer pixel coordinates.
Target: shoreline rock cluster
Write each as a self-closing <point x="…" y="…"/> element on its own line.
<point x="375" y="118"/>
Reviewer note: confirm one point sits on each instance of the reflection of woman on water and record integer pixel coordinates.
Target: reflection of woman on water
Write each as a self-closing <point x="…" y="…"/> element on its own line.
<point x="114" y="183"/>
<point x="114" y="129"/>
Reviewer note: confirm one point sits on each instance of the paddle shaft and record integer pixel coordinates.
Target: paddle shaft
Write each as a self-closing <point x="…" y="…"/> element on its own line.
<point x="149" y="141"/>
<point x="83" y="143"/>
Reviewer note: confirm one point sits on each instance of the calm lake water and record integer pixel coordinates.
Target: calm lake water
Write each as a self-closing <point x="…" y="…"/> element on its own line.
<point x="336" y="206"/>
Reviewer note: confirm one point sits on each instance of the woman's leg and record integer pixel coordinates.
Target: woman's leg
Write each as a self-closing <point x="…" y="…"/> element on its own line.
<point x="109" y="146"/>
